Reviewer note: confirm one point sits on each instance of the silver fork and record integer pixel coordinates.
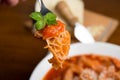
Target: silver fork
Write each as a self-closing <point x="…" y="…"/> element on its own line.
<point x="43" y="10"/>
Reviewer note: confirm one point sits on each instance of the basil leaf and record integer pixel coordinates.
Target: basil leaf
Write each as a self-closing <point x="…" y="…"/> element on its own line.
<point x="36" y="16"/>
<point x="50" y="18"/>
<point x="41" y="21"/>
<point x="39" y="25"/>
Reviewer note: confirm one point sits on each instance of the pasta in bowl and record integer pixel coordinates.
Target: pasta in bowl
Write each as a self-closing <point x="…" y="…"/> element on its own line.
<point x="86" y="67"/>
<point x="86" y="53"/>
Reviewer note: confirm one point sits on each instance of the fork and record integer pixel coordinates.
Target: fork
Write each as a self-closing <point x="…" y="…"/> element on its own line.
<point x="43" y="10"/>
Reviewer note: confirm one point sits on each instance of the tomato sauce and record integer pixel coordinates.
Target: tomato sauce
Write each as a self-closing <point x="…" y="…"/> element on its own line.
<point x="51" y="31"/>
<point x="76" y="66"/>
<point x="52" y="74"/>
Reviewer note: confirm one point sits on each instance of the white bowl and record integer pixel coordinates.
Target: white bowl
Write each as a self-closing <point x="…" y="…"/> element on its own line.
<point x="77" y="49"/>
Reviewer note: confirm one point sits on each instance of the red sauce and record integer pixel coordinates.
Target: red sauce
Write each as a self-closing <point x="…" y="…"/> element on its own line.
<point x="52" y="74"/>
<point x="51" y="31"/>
<point x="74" y="67"/>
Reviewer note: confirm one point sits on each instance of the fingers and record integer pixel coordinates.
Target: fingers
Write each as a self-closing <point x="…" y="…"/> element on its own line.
<point x="12" y="2"/>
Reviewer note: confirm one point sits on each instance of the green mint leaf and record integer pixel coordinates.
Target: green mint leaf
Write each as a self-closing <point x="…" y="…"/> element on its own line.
<point x="36" y="16"/>
<point x="50" y="18"/>
<point x="39" y="25"/>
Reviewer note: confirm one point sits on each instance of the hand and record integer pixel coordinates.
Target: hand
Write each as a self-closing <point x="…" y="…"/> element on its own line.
<point x="10" y="2"/>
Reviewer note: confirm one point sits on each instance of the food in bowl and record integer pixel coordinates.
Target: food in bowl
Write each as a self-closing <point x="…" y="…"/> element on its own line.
<point x="87" y="67"/>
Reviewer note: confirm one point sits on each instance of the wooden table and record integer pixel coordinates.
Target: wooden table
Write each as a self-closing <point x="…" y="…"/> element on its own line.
<point x="20" y="51"/>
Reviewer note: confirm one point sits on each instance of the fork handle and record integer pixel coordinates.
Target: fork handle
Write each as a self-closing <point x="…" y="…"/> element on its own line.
<point x="64" y="11"/>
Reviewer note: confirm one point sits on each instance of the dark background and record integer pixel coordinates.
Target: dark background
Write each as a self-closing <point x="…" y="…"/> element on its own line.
<point x="20" y="52"/>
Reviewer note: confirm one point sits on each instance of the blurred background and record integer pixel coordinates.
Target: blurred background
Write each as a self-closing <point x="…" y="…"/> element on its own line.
<point x="20" y="52"/>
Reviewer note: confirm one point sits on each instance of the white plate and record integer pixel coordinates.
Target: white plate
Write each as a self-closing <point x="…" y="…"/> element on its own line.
<point x="77" y="49"/>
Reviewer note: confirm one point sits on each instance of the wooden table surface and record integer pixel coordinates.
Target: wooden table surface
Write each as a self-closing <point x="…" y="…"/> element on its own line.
<point x="20" y="52"/>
